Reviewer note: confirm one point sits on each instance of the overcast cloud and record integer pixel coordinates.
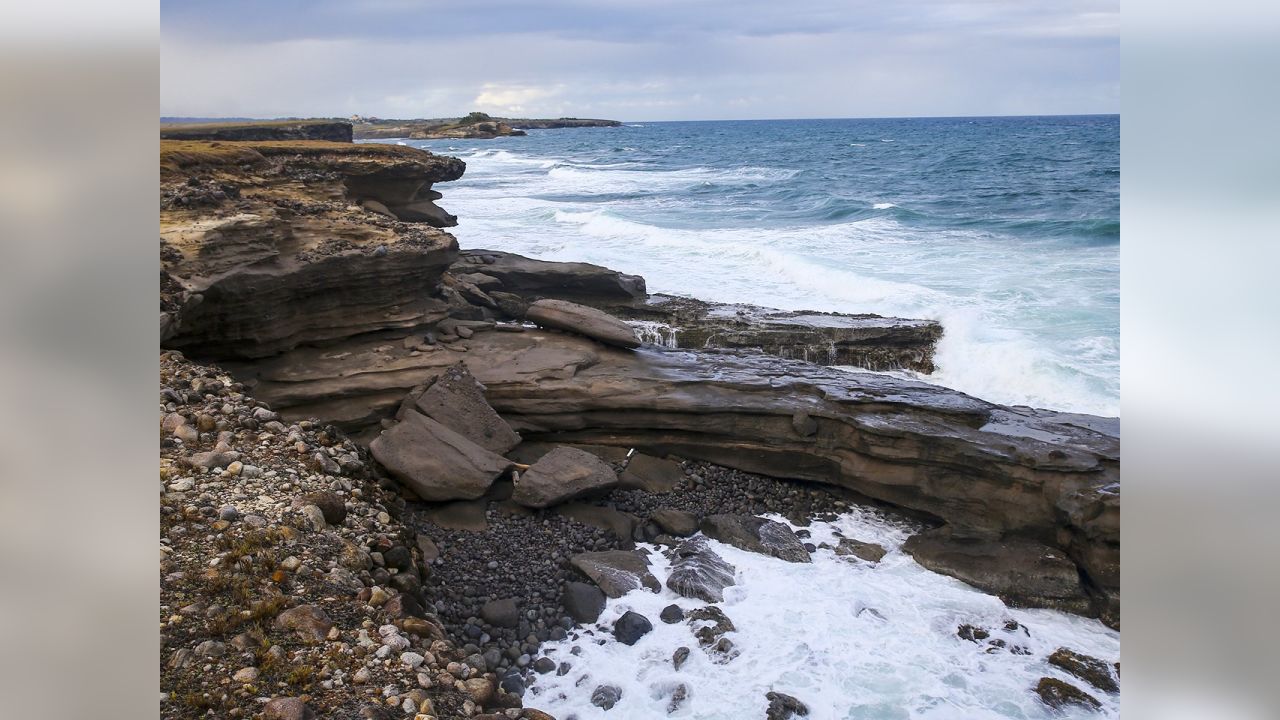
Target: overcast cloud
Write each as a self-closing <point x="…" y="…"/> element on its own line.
<point x="639" y="59"/>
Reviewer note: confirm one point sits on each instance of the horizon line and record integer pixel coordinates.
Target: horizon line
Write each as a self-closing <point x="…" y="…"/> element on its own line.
<point x="772" y="119"/>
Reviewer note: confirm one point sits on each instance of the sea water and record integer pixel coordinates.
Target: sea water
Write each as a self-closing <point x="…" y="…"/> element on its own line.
<point x="1004" y="229"/>
<point x="850" y="639"/>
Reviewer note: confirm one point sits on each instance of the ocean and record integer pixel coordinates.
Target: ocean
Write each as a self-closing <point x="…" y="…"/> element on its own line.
<point x="1005" y="229"/>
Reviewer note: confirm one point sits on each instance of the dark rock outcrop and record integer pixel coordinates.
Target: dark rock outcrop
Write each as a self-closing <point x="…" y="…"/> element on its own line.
<point x="616" y="572"/>
<point x="698" y="572"/>
<point x="537" y="279"/>
<point x="870" y="552"/>
<point x="1022" y="572"/>
<point x="583" y="602"/>
<point x="583" y="320"/>
<point x="563" y="474"/>
<point x="767" y="537"/>
<point x="606" y="696"/>
<point x="1061" y="695"/>
<point x="1090" y="669"/>
<point x="783" y="706"/>
<point x="631" y="627"/>
<point x="330" y="130"/>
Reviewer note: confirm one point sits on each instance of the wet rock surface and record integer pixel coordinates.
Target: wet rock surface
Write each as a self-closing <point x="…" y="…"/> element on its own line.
<point x="1061" y="695"/>
<point x="582" y="320"/>
<point x="1090" y="669"/>
<point x="698" y="572"/>
<point x="756" y="534"/>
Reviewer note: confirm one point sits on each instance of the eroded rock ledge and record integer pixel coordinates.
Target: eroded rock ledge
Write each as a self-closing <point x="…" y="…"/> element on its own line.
<point x="268" y="245"/>
<point x="868" y="341"/>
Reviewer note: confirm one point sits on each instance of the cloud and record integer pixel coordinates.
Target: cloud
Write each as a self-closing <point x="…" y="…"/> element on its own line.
<point x="634" y="60"/>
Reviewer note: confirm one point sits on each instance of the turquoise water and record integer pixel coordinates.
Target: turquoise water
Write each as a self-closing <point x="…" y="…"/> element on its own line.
<point x="1004" y="229"/>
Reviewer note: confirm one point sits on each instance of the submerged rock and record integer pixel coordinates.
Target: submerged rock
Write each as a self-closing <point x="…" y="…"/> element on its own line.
<point x="1090" y="669"/>
<point x="563" y="474"/>
<point x="783" y="706"/>
<point x="631" y="627"/>
<point x="870" y="552"/>
<point x="698" y="572"/>
<point x="671" y="614"/>
<point x="1060" y="695"/>
<point x="606" y="696"/>
<point x="756" y="535"/>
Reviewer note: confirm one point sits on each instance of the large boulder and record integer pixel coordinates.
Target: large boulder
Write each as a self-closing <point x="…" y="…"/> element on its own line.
<point x="631" y="627"/>
<point x="675" y="522"/>
<point x="456" y="400"/>
<point x="436" y="462"/>
<point x="756" y="534"/>
<point x="536" y="279"/>
<point x="783" y="706"/>
<point x="621" y="524"/>
<point x="563" y="474"/>
<point x="651" y="474"/>
<point x="698" y="572"/>
<point x="871" y="552"/>
<point x="1022" y="572"/>
<point x="583" y="602"/>
<point x="583" y="320"/>
<point x="616" y="572"/>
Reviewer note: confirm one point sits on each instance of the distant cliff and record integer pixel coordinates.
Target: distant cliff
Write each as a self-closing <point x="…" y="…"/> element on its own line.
<point x="473" y="126"/>
<point x="332" y="130"/>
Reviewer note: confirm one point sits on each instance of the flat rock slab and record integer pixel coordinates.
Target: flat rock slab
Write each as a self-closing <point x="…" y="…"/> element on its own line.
<point x="675" y="522"/>
<point x="651" y="474"/>
<point x="1022" y="572"/>
<point x="563" y="474"/>
<point x="619" y="523"/>
<point x="468" y="515"/>
<point x="456" y="400"/>
<point x="698" y="572"/>
<point x="756" y="534"/>
<point x="435" y="462"/>
<point x="616" y="572"/>
<point x="871" y="552"/>
<point x="583" y="320"/>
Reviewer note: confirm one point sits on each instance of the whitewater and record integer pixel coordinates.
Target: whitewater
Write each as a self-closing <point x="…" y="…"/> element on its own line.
<point x="1006" y="230"/>
<point x="850" y="639"/>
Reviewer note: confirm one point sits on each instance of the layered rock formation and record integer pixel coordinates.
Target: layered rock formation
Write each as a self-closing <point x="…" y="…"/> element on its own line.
<point x="478" y="128"/>
<point x="867" y="341"/>
<point x="996" y="476"/>
<point x="263" y="246"/>
<point x="333" y="131"/>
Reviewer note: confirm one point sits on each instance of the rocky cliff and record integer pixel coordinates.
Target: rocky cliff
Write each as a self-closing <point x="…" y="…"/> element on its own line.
<point x="330" y="130"/>
<point x="312" y="272"/>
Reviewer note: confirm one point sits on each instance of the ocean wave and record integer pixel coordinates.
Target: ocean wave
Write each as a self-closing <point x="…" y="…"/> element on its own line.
<point x="883" y="206"/>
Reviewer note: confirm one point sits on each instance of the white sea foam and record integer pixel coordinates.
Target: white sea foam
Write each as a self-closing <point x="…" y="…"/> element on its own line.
<point x="808" y="630"/>
<point x="883" y="206"/>
<point x="1000" y="305"/>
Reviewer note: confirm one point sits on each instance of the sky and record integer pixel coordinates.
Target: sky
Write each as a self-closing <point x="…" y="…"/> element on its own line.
<point x="639" y="59"/>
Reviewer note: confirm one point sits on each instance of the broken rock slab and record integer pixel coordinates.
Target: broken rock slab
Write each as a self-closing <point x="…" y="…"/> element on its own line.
<point x="582" y="320"/>
<point x="698" y="572"/>
<point x="616" y="572"/>
<point x="756" y="534"/>
<point x="456" y="400"/>
<point x="435" y="462"/>
<point x="651" y="474"/>
<point x="563" y="474"/>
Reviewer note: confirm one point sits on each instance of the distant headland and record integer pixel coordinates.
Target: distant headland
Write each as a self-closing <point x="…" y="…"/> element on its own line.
<point x="474" y="126"/>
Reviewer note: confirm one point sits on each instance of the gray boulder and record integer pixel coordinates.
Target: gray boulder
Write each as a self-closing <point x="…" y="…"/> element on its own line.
<point x="563" y="474"/>
<point x="456" y="400"/>
<point x="755" y="534"/>
<point x="583" y="320"/>
<point x="435" y="462"/>
<point x="870" y="552"/>
<point x="631" y="627"/>
<point x="675" y="522"/>
<point x="697" y="572"/>
<point x="583" y="602"/>
<point x="651" y="474"/>
<point x="616" y="572"/>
